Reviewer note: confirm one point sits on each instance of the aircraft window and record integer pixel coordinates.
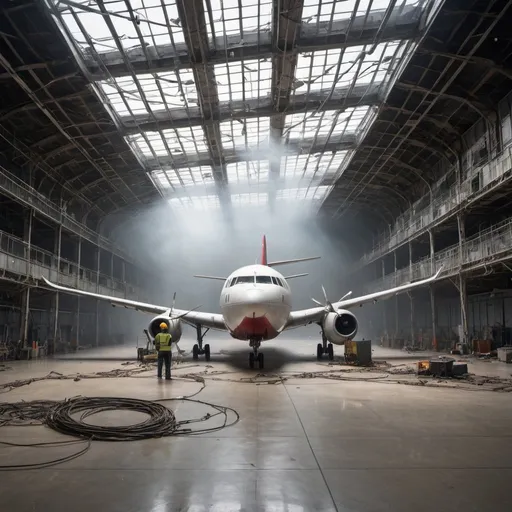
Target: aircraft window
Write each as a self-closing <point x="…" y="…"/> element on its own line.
<point x="231" y="282"/>
<point x="283" y="282"/>
<point x="245" y="279"/>
<point x="278" y="281"/>
<point x="264" y="279"/>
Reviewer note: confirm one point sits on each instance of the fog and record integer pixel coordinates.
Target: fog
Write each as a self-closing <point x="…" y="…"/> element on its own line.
<point x="178" y="244"/>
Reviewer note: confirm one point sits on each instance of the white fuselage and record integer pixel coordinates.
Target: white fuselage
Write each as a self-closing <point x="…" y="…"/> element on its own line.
<point x="255" y="303"/>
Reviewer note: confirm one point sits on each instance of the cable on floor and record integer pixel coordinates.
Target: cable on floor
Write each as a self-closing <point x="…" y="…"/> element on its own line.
<point x="46" y="464"/>
<point x="161" y="421"/>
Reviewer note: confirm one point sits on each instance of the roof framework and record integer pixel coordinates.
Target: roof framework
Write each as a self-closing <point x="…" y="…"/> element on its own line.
<point x="457" y="76"/>
<point x="53" y="127"/>
<point x="237" y="101"/>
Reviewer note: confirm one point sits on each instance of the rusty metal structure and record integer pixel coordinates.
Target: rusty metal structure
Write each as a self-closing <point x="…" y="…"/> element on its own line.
<point x="389" y="115"/>
<point x="221" y="102"/>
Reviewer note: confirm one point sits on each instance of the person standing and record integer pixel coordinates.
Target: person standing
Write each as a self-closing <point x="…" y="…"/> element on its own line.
<point x="163" y="344"/>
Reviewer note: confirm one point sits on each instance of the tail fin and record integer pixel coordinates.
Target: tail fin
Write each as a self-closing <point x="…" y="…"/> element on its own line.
<point x="264" y="251"/>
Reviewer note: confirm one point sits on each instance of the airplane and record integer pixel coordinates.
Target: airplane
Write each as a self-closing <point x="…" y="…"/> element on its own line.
<point x="255" y="304"/>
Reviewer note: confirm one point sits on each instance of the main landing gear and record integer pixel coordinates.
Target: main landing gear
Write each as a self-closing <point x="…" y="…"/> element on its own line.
<point x="324" y="348"/>
<point x="198" y="349"/>
<point x="254" y="355"/>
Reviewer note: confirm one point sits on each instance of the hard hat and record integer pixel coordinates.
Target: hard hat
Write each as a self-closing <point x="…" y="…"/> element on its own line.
<point x="163" y="325"/>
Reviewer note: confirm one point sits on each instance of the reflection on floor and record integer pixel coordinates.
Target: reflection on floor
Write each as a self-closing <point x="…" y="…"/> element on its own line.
<point x="302" y="444"/>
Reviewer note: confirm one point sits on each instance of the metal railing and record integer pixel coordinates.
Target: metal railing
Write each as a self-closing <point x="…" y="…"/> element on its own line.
<point x="18" y="258"/>
<point x="494" y="243"/>
<point x="19" y="190"/>
<point x="412" y="223"/>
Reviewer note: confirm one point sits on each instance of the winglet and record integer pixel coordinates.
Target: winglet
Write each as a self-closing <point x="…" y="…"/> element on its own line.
<point x="264" y="251"/>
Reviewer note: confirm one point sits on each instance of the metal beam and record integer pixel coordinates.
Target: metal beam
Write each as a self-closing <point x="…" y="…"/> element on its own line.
<point x="342" y="97"/>
<point x="298" y="147"/>
<point x="286" y="24"/>
<point x="416" y="141"/>
<point x="442" y="124"/>
<point x="479" y="61"/>
<point x="404" y="23"/>
<point x="193" y="21"/>
<point x="483" y="110"/>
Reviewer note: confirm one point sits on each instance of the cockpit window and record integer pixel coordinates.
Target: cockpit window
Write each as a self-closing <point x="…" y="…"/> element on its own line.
<point x="278" y="282"/>
<point x="263" y="279"/>
<point x="244" y="279"/>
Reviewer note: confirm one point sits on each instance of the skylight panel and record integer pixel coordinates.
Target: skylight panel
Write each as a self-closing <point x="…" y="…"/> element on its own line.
<point x="236" y="17"/>
<point x="323" y="70"/>
<point x="161" y="91"/>
<point x="308" y="168"/>
<point x="317" y="11"/>
<point x="252" y="172"/>
<point x="304" y="193"/>
<point x="188" y="140"/>
<point x="327" y="124"/>
<point x="101" y="24"/>
<point x="242" y="81"/>
<point x="253" y="198"/>
<point x="195" y="202"/>
<point x="250" y="133"/>
<point x="171" y="179"/>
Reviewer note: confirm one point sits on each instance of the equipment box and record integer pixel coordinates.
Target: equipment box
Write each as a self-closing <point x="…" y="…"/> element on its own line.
<point x="441" y="366"/>
<point x="358" y="352"/>
<point x="505" y="354"/>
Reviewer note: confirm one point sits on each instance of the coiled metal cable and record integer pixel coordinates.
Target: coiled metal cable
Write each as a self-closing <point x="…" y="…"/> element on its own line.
<point x="161" y="421"/>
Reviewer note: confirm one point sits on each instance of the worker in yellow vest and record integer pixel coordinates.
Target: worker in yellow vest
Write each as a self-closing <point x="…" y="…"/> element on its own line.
<point x="163" y="344"/>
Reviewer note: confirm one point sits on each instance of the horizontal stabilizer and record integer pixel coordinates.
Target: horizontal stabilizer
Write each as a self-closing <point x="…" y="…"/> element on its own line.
<point x="217" y="278"/>
<point x="296" y="275"/>
<point x="285" y="262"/>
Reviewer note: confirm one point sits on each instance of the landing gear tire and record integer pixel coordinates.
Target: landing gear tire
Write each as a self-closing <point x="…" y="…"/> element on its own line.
<point x="261" y="361"/>
<point x="330" y="351"/>
<point x="251" y="360"/>
<point x="207" y="352"/>
<point x="195" y="352"/>
<point x="319" y="351"/>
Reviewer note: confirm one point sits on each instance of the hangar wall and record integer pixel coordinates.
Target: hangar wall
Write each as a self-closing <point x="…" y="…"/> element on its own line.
<point x="38" y="238"/>
<point x="463" y="224"/>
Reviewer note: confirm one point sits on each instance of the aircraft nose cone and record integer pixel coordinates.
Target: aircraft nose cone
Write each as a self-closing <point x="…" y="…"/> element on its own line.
<point x="254" y="295"/>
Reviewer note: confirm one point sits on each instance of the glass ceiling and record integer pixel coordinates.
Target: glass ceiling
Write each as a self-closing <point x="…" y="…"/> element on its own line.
<point x="232" y="17"/>
<point x="316" y="11"/>
<point x="153" y="93"/>
<point x="139" y="54"/>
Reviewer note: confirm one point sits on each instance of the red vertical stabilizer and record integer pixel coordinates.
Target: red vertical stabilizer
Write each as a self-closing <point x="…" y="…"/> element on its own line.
<point x="264" y="251"/>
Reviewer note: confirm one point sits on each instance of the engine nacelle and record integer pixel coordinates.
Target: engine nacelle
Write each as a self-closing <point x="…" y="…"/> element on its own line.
<point x="174" y="327"/>
<point x="340" y="327"/>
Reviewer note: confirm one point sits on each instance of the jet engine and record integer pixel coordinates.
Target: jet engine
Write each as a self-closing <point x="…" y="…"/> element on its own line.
<point x="174" y="327"/>
<point x="340" y="327"/>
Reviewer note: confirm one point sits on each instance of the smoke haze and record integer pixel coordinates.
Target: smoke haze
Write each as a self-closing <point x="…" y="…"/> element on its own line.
<point x="177" y="245"/>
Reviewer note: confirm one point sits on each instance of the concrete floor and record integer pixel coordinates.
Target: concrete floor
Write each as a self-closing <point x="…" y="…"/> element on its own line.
<point x="305" y="445"/>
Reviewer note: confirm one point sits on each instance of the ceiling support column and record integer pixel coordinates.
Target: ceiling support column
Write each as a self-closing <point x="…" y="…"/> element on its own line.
<point x="286" y="24"/>
<point x="193" y="20"/>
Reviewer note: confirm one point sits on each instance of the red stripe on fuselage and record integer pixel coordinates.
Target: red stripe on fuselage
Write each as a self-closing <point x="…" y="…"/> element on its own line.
<point x="258" y="327"/>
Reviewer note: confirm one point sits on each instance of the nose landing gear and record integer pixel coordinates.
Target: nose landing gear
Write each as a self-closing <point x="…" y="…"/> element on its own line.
<point x="255" y="355"/>
<point x="198" y="349"/>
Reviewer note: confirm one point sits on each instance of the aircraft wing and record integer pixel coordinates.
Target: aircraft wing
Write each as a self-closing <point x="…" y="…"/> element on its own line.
<point x="312" y="315"/>
<point x="212" y="320"/>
